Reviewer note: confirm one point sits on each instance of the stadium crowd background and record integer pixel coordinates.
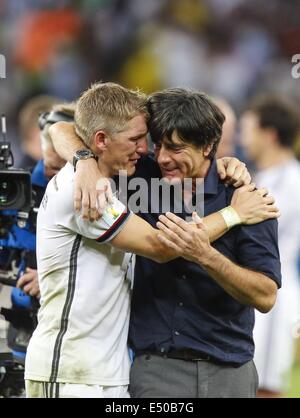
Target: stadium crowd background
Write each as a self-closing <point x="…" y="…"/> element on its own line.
<point x="232" y="49"/>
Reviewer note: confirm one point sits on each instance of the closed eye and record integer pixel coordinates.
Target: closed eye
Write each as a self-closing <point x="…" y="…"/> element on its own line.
<point x="175" y="148"/>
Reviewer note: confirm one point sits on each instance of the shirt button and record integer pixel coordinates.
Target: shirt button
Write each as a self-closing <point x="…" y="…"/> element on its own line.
<point x="180" y="303"/>
<point x="176" y="333"/>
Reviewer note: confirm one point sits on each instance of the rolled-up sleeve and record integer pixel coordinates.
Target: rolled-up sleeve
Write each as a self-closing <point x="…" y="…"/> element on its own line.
<point x="258" y="249"/>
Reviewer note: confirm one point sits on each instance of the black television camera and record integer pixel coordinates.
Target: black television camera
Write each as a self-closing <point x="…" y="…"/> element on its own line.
<point x="15" y="185"/>
<point x="15" y="188"/>
<point x="15" y="206"/>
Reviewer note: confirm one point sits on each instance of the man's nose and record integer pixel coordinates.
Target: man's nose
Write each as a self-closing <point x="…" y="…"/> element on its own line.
<point x="163" y="156"/>
<point x="142" y="146"/>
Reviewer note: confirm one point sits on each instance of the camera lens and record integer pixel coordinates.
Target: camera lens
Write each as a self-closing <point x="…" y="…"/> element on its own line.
<point x="8" y="191"/>
<point x="15" y="189"/>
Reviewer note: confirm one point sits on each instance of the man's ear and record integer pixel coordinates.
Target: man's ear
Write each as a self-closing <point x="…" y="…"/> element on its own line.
<point x="207" y="150"/>
<point x="100" y="140"/>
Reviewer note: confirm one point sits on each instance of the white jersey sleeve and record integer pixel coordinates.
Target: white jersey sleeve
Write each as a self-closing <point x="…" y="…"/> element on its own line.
<point x="57" y="208"/>
<point x="111" y="222"/>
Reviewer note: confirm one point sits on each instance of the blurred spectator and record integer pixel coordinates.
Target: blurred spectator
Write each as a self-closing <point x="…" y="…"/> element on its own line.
<point x="269" y="128"/>
<point x="29" y="129"/>
<point x="227" y="146"/>
<point x="52" y="161"/>
<point x="169" y="51"/>
<point x="41" y="33"/>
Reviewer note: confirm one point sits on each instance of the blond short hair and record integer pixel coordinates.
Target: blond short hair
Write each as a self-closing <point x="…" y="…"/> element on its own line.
<point x="107" y="106"/>
<point x="67" y="108"/>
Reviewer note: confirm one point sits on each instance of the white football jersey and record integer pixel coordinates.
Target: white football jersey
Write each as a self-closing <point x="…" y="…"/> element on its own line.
<point x="82" y="329"/>
<point x="274" y="332"/>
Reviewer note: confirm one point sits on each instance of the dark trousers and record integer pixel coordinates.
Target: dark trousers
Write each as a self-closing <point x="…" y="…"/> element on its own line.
<point x="154" y="376"/>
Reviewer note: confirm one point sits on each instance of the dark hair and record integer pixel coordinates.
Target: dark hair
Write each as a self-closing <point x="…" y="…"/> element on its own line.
<point x="279" y="114"/>
<point x="192" y="114"/>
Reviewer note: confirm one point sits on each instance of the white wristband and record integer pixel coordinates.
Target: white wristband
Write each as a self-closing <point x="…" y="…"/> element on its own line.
<point x="230" y="217"/>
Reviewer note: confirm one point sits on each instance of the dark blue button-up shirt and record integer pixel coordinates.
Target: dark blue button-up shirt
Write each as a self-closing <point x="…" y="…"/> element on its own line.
<point x="177" y="305"/>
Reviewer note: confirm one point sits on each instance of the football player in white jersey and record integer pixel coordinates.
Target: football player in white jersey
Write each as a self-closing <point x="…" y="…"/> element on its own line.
<point x="269" y="129"/>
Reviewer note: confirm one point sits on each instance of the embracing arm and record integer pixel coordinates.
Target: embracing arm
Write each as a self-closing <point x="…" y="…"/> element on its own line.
<point x="247" y="286"/>
<point x="87" y="189"/>
<point x="65" y="140"/>
<point x="249" y="205"/>
<point x="140" y="237"/>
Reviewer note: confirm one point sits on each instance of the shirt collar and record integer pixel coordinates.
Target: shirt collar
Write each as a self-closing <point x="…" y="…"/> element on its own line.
<point x="212" y="179"/>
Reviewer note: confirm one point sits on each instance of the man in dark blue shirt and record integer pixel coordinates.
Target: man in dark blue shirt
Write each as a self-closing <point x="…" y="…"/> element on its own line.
<point x="192" y="318"/>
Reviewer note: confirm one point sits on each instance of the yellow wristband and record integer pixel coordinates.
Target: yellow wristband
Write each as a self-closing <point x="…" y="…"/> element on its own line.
<point x="230" y="217"/>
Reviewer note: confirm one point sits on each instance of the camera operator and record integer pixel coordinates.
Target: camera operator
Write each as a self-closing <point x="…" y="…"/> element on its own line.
<point x="18" y="208"/>
<point x="28" y="129"/>
<point x="43" y="172"/>
<point x="17" y="243"/>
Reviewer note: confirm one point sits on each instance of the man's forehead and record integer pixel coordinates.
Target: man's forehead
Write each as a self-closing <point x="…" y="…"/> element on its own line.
<point x="173" y="139"/>
<point x="137" y="124"/>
